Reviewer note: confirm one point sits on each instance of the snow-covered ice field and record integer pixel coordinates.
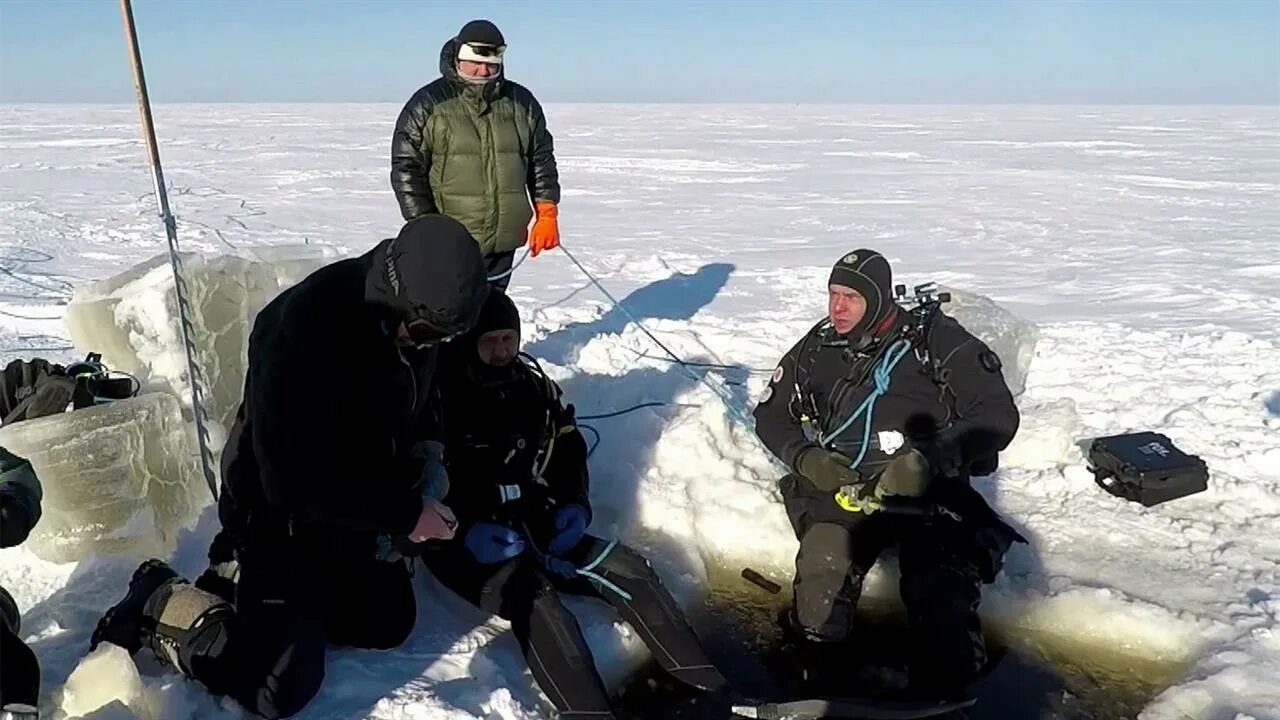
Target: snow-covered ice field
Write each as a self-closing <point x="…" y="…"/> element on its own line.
<point x="1144" y="243"/>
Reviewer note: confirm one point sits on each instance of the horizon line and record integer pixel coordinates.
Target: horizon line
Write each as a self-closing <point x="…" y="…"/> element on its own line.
<point x="845" y="103"/>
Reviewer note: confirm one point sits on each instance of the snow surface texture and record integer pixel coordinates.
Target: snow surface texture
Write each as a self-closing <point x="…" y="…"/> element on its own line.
<point x="1143" y="242"/>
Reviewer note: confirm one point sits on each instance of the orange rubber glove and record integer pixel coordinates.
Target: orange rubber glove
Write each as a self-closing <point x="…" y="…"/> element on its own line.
<point x="545" y="234"/>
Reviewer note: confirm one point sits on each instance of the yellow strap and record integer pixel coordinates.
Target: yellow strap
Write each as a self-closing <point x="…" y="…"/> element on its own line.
<point x="849" y="503"/>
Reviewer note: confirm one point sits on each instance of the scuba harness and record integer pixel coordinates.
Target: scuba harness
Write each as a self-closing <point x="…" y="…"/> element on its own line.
<point x="549" y="431"/>
<point x="552" y="428"/>
<point x="873" y="360"/>
<point x="868" y="356"/>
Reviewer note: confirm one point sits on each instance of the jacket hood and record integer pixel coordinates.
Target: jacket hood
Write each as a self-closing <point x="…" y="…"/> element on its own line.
<point x="431" y="271"/>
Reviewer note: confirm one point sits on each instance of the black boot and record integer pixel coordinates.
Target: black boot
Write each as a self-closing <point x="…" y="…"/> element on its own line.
<point x="182" y="624"/>
<point x="126" y="624"/>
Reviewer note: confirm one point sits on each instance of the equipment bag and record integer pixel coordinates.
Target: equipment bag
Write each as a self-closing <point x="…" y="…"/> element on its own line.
<point x="1146" y="467"/>
<point x="35" y="388"/>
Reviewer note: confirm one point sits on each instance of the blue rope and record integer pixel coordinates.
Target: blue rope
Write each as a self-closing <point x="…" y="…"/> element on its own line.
<point x="633" y="408"/>
<point x="592" y="447"/>
<point x="881" y="374"/>
<point x="589" y="571"/>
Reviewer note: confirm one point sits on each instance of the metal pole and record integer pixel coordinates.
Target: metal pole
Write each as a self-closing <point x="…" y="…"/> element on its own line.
<point x="195" y="376"/>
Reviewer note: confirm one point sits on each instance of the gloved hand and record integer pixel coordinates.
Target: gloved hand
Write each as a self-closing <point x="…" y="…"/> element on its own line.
<point x="909" y="474"/>
<point x="571" y="524"/>
<point x="434" y="481"/>
<point x="942" y="452"/>
<point x="827" y="470"/>
<point x="436" y="522"/>
<point x="545" y="234"/>
<point x="562" y="568"/>
<point x="492" y="543"/>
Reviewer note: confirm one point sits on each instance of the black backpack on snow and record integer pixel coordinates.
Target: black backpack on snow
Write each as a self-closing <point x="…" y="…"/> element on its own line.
<point x="36" y="388"/>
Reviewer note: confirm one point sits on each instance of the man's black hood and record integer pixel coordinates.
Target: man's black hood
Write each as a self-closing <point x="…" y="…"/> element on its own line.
<point x="431" y="271"/>
<point x="498" y="313"/>
<point x="867" y="272"/>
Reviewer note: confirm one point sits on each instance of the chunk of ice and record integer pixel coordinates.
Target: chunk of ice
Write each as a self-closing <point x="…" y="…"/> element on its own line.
<point x="1008" y="335"/>
<point x="120" y="477"/>
<point x="106" y="685"/>
<point x="132" y="319"/>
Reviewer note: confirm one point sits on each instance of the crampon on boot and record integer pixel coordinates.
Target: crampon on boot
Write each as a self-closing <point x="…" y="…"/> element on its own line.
<point x="125" y="623"/>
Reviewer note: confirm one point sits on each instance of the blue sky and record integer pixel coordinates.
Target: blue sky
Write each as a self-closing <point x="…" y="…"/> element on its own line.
<point x="909" y="51"/>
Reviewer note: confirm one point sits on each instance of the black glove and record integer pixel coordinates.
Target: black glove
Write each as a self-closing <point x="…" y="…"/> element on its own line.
<point x="15" y="523"/>
<point x="908" y="474"/>
<point x="942" y="452"/>
<point x="827" y="470"/>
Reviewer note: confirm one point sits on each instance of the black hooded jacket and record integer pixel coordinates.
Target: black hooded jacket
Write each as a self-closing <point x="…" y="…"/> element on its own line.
<point x="332" y="406"/>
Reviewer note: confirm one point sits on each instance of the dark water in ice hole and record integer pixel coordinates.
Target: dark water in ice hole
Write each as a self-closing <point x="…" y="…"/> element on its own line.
<point x="1036" y="678"/>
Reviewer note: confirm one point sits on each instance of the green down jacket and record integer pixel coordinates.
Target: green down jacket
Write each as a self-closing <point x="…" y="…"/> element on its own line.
<point x="476" y="153"/>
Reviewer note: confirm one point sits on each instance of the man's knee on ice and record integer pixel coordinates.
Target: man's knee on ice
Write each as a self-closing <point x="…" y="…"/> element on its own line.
<point x="393" y="627"/>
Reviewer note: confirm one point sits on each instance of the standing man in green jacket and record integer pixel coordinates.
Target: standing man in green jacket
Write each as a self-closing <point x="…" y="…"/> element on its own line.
<point x="474" y="145"/>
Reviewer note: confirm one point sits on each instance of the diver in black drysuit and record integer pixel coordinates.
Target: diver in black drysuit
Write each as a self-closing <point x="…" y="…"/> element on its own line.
<point x="518" y="483"/>
<point x="944" y="415"/>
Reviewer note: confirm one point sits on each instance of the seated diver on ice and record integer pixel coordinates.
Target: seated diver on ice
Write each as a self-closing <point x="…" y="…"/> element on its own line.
<point x="879" y="409"/>
<point x="518" y="484"/>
